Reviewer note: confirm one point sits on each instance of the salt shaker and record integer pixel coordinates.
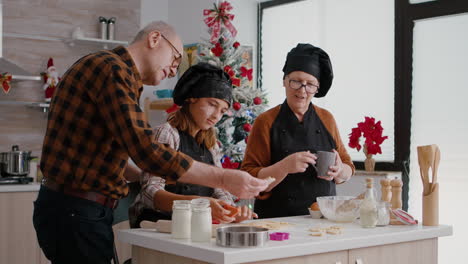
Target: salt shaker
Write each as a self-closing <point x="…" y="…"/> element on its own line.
<point x="201" y="220"/>
<point x="181" y="219"/>
<point x="383" y="213"/>
<point x="103" y="27"/>
<point x="386" y="190"/>
<point x="111" y="28"/>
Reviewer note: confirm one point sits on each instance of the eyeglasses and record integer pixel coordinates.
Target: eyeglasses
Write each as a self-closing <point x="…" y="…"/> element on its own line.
<point x="177" y="58"/>
<point x="309" y="87"/>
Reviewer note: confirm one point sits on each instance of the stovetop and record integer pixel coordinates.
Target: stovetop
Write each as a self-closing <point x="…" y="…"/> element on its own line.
<point x="15" y="180"/>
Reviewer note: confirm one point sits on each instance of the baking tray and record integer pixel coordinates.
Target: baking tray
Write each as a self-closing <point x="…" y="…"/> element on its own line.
<point x="241" y="236"/>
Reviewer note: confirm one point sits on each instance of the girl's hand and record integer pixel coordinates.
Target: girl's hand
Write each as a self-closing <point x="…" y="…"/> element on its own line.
<point x="218" y="212"/>
<point x="245" y="214"/>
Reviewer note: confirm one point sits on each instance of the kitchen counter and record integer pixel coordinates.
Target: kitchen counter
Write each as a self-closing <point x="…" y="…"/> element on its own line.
<point x="30" y="187"/>
<point x="149" y="245"/>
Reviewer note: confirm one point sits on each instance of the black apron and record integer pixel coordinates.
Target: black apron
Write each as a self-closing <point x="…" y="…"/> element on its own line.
<point x="297" y="191"/>
<point x="188" y="145"/>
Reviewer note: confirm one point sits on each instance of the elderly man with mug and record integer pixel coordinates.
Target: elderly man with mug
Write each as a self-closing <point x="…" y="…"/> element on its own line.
<point x="95" y="124"/>
<point x="284" y="140"/>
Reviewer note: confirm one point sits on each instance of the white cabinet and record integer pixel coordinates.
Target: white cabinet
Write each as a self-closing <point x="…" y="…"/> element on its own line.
<point x="18" y="242"/>
<point x="421" y="251"/>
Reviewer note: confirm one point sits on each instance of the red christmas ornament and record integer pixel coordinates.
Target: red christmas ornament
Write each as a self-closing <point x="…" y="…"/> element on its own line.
<point x="217" y="50"/>
<point x="246" y="138"/>
<point x="235" y="81"/>
<point x="236" y="45"/>
<point x="236" y="106"/>
<point x="227" y="164"/>
<point x="247" y="127"/>
<point x="257" y="100"/>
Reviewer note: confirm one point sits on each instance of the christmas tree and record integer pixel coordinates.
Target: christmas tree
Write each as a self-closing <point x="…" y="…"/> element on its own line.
<point x="224" y="51"/>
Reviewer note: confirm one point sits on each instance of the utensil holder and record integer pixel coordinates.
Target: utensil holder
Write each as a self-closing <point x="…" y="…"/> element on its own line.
<point x="431" y="206"/>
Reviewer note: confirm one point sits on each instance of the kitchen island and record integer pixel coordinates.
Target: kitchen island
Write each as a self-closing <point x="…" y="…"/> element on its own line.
<point x="356" y="245"/>
<point x="18" y="242"/>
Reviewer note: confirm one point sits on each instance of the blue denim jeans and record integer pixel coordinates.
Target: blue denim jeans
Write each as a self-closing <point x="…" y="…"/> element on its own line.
<point x="73" y="230"/>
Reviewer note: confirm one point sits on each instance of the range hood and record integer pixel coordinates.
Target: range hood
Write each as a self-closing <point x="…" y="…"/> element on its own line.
<point x="17" y="72"/>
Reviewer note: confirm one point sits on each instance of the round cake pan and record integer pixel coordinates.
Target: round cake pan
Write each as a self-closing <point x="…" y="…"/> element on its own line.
<point x="241" y="236"/>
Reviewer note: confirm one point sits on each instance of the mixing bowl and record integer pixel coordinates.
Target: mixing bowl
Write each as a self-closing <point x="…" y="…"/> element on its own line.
<point x="339" y="208"/>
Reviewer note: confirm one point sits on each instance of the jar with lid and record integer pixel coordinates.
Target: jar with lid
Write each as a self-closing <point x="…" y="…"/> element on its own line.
<point x="368" y="209"/>
<point x="103" y="27"/>
<point x="111" y="28"/>
<point x="181" y="218"/>
<point x="201" y="220"/>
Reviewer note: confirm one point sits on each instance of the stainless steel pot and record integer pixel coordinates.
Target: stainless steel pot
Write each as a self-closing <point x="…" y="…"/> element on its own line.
<point x="241" y="236"/>
<point x="15" y="162"/>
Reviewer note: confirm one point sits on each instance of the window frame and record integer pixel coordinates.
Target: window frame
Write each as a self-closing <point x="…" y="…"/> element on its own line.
<point x="405" y="15"/>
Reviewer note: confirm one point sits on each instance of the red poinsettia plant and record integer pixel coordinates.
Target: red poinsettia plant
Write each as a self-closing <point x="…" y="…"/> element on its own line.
<point x="372" y="132"/>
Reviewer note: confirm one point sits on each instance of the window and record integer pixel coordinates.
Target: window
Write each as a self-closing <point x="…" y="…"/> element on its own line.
<point x="361" y="47"/>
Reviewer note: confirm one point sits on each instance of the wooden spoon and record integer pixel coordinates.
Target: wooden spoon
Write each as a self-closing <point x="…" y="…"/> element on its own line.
<point x="435" y="166"/>
<point x="426" y="161"/>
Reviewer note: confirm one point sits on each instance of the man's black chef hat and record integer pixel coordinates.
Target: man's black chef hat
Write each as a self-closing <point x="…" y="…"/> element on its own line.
<point x="312" y="60"/>
<point x="203" y="80"/>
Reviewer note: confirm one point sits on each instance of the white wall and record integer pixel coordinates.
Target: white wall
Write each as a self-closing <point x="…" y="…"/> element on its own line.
<point x="187" y="18"/>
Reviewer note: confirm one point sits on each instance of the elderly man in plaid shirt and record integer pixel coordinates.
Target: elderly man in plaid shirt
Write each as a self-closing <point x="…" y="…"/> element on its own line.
<point x="95" y="124"/>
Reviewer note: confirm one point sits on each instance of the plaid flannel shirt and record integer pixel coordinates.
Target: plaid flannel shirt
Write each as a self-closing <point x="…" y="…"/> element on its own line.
<point x="95" y="124"/>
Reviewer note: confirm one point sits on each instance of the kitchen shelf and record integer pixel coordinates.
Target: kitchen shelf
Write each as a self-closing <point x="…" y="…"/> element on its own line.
<point x="161" y="104"/>
<point x="105" y="43"/>
<point x="44" y="105"/>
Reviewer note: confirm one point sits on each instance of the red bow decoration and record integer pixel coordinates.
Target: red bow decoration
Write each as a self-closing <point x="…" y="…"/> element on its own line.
<point x="246" y="73"/>
<point x="214" y="18"/>
<point x="5" y="79"/>
<point x="227" y="164"/>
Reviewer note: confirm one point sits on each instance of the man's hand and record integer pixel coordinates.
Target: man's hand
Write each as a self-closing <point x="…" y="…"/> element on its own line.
<point x="242" y="184"/>
<point x="239" y="183"/>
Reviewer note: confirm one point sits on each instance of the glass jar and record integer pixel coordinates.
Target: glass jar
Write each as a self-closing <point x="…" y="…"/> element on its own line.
<point x="383" y="213"/>
<point x="201" y="220"/>
<point x="368" y="209"/>
<point x="181" y="219"/>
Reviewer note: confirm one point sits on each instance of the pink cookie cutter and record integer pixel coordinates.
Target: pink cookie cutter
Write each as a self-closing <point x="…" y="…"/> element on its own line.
<point x="279" y="236"/>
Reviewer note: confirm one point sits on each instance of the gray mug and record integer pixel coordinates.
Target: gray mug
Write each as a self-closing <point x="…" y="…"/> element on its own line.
<point x="325" y="159"/>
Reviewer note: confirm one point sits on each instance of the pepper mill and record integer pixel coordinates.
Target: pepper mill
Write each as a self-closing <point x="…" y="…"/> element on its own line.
<point x="386" y="190"/>
<point x="396" y="199"/>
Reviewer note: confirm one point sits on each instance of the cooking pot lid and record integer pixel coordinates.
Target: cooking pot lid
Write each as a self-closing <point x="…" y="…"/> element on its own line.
<point x="15" y="149"/>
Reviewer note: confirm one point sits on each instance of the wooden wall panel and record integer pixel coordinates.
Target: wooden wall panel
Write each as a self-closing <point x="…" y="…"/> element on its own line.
<point x="54" y="19"/>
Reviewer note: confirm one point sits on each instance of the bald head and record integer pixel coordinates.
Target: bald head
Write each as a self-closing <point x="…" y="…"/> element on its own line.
<point x="161" y="26"/>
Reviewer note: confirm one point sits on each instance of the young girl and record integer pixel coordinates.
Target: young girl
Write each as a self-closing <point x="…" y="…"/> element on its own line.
<point x="204" y="93"/>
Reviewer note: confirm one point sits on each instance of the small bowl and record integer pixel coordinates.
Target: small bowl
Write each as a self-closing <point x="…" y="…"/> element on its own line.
<point x="344" y="209"/>
<point x="315" y="214"/>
